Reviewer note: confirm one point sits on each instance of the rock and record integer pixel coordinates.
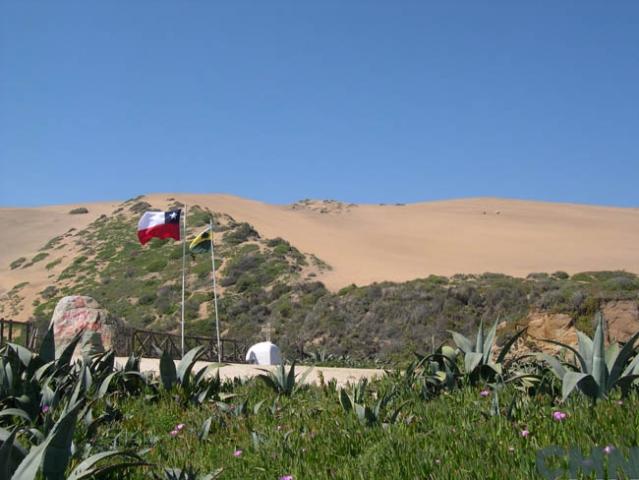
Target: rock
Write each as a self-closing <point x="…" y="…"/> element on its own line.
<point x="621" y="319"/>
<point x="553" y="326"/>
<point x="78" y="313"/>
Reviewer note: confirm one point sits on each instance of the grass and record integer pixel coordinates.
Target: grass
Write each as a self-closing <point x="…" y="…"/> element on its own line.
<point x="310" y="436"/>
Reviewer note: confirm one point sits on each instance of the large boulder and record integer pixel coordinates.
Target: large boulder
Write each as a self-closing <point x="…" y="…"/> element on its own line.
<point x="622" y="320"/>
<point x="77" y="313"/>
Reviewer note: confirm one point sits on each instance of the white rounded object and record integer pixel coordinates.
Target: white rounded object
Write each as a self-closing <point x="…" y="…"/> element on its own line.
<point x="264" y="353"/>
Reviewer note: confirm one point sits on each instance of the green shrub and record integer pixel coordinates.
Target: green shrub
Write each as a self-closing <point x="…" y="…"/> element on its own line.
<point x="40" y="256"/>
<point x="79" y="211"/>
<point x="53" y="264"/>
<point x="156" y="265"/>
<point x="16" y="263"/>
<point x="241" y="233"/>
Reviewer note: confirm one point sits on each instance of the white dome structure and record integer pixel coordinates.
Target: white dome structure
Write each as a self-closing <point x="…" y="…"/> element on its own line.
<point x="264" y="353"/>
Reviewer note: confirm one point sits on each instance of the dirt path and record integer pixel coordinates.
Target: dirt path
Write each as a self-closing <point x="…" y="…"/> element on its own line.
<point x="341" y="375"/>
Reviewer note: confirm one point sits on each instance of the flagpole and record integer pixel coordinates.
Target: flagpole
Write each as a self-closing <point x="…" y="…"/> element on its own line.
<point x="183" y="280"/>
<point x="217" y="319"/>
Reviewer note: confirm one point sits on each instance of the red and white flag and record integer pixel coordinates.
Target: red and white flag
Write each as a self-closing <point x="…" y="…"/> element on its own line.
<point x="160" y="225"/>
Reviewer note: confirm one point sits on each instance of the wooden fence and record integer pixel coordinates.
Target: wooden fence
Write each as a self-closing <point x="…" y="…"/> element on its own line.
<point x="143" y="343"/>
<point x="22" y="333"/>
<point x="147" y="343"/>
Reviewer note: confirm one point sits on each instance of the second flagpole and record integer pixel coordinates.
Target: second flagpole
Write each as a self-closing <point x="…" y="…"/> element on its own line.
<point x="183" y="280"/>
<point x="217" y="319"/>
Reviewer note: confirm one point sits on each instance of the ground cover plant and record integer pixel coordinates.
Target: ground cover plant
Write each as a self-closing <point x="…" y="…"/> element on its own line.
<point x="435" y="418"/>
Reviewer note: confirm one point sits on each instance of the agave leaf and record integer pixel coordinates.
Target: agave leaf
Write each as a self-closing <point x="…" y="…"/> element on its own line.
<point x="479" y="341"/>
<point x="168" y="373"/>
<point x="462" y="342"/>
<point x="24" y="354"/>
<point x="47" y="348"/>
<point x="290" y="380"/>
<point x="578" y="356"/>
<point x="471" y="361"/>
<point x="7" y="451"/>
<point x="585" y="381"/>
<point x="106" y="383"/>
<point x="449" y="352"/>
<point x="345" y="400"/>
<point x="15" y="412"/>
<point x="558" y="369"/>
<point x="633" y="367"/>
<point x="612" y="352"/>
<point x="586" y="350"/>
<point x="205" y="429"/>
<point x="487" y="347"/>
<point x="621" y="360"/>
<point x="599" y="370"/>
<point x="132" y="364"/>
<point x="258" y="406"/>
<point x="58" y="450"/>
<point x="67" y="353"/>
<point x="508" y="345"/>
<point x="87" y="468"/>
<point x="625" y="383"/>
<point x="304" y="375"/>
<point x="186" y="365"/>
<point x="53" y="453"/>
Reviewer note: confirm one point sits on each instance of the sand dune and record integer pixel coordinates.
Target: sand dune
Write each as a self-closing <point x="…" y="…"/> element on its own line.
<point x="368" y="243"/>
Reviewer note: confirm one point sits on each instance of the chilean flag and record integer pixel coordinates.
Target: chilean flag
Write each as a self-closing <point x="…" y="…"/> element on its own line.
<point x="160" y="225"/>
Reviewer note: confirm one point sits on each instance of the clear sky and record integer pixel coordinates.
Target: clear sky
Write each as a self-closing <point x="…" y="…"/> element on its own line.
<point x="360" y="101"/>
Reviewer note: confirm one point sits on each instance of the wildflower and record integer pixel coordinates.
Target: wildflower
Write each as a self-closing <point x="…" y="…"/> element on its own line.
<point x="179" y="427"/>
<point x="279" y="427"/>
<point x="173" y="433"/>
<point x="511" y="449"/>
<point x="237" y="453"/>
<point x="524" y="433"/>
<point x="45" y="409"/>
<point x="484" y="393"/>
<point x="558" y="416"/>
<point x="619" y="402"/>
<point x="438" y="461"/>
<point x="286" y="477"/>
<point x="608" y="449"/>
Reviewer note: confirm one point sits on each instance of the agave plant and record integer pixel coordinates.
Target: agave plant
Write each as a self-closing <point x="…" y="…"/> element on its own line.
<point x="597" y="370"/>
<point x="478" y="364"/>
<point x="354" y="402"/>
<point x="282" y="381"/>
<point x="195" y="388"/>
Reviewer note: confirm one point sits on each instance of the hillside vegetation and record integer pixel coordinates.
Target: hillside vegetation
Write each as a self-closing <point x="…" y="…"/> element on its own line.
<point x="269" y="287"/>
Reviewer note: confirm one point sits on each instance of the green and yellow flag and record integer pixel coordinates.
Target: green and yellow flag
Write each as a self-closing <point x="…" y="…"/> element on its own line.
<point x="201" y="243"/>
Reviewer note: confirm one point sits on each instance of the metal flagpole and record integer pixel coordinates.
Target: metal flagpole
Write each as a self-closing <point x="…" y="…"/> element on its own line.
<point x="183" y="279"/>
<point x="217" y="319"/>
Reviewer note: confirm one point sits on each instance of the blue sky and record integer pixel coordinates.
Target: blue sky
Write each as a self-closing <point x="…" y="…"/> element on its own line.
<point x="361" y="101"/>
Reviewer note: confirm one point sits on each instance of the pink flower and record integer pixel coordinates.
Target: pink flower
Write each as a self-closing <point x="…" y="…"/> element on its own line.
<point x="484" y="393"/>
<point x="524" y="433"/>
<point x="237" y="453"/>
<point x="173" y="433"/>
<point x="45" y="409"/>
<point x="558" y="416"/>
<point x="608" y="449"/>
<point x="286" y="477"/>
<point x="179" y="427"/>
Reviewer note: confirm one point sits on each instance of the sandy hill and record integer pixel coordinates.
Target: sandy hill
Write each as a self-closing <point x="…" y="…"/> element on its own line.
<point x="368" y="243"/>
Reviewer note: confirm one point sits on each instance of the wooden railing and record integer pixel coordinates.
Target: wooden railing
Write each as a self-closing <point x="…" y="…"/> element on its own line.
<point x="147" y="343"/>
<point x="21" y="333"/>
<point x="143" y="343"/>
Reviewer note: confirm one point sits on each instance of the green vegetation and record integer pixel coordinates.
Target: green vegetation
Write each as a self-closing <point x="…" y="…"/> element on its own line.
<point x="40" y="256"/>
<point x="265" y="285"/>
<point x="16" y="263"/>
<point x="53" y="264"/>
<point x="430" y="419"/>
<point x="79" y="211"/>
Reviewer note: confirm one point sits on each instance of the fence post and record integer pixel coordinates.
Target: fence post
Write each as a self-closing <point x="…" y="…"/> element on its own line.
<point x="10" y="330"/>
<point x="1" y="331"/>
<point x="26" y="335"/>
